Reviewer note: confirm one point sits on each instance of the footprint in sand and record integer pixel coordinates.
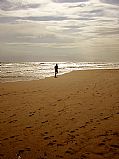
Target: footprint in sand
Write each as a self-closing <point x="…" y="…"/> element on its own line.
<point x="58" y="145"/>
<point x="1" y="112"/>
<point x="59" y="100"/>
<point x="46" y="138"/>
<point x="61" y="110"/>
<point x="3" y="121"/>
<point x="70" y="151"/>
<point x="43" y="122"/>
<point x="5" y="139"/>
<point x="20" y="140"/>
<point x="13" y="115"/>
<point x="1" y="155"/>
<point x="101" y="114"/>
<point x="72" y="118"/>
<point x="91" y="120"/>
<point x="28" y="127"/>
<point x="45" y="132"/>
<point x="28" y="149"/>
<point x="115" y="146"/>
<point x="72" y="131"/>
<point x="13" y="121"/>
<point x="83" y="156"/>
<point x="31" y="113"/>
<point x="101" y="144"/>
<point x="99" y="153"/>
<point x="50" y="143"/>
<point x="86" y="123"/>
<point x="90" y="109"/>
<point x="59" y="156"/>
<point x="83" y="126"/>
<point x="12" y="137"/>
<point x="116" y="134"/>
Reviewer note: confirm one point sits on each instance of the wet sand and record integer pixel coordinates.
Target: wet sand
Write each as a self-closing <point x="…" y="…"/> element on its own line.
<point x="74" y="116"/>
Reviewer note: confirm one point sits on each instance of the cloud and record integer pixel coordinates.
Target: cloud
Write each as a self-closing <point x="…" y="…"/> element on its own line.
<point x="77" y="6"/>
<point x="8" y="19"/>
<point x="113" y="2"/>
<point x="8" y="5"/>
<point x="69" y="1"/>
<point x="93" y="13"/>
<point x="108" y="32"/>
<point x="73" y="26"/>
<point x="58" y="24"/>
<point x="46" y="18"/>
<point x="32" y="19"/>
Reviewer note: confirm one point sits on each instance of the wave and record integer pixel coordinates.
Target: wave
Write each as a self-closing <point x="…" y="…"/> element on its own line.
<point x="39" y="70"/>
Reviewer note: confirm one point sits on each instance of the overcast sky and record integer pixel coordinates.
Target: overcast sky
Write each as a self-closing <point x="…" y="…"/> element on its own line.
<point x="59" y="30"/>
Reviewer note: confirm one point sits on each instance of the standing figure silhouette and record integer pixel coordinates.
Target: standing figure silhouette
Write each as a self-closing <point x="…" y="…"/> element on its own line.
<point x="56" y="70"/>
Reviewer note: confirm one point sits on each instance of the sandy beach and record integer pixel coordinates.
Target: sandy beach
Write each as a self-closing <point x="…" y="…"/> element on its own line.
<point x="74" y="116"/>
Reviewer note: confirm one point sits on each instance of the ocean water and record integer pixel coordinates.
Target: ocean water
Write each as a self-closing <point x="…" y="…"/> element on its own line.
<point x="11" y="72"/>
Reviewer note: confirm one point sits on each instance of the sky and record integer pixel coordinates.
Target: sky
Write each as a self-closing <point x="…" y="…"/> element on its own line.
<point x="59" y="30"/>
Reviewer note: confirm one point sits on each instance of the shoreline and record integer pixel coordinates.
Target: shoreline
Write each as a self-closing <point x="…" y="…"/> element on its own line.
<point x="59" y="75"/>
<point x="35" y="70"/>
<point x="74" y="116"/>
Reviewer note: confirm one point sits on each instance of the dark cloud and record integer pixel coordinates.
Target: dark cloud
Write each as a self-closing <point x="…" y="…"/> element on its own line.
<point x="27" y="6"/>
<point x="72" y="26"/>
<point x="7" y="5"/>
<point x="46" y="18"/>
<point x="95" y="11"/>
<point x="113" y="2"/>
<point x="69" y="1"/>
<point x="8" y="19"/>
<point x="107" y="32"/>
<point x="111" y="31"/>
<point x="32" y="18"/>
<point x="84" y="18"/>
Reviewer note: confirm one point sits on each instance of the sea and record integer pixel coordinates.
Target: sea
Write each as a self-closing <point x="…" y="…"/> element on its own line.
<point x="25" y="71"/>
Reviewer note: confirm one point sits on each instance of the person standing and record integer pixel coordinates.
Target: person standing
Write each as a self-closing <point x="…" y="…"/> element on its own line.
<point x="56" y="70"/>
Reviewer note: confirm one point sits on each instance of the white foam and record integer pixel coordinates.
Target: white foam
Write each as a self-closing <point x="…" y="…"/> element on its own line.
<point x="11" y="72"/>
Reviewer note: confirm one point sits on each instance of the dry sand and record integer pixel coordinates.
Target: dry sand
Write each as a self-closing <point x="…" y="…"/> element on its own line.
<point x="74" y="116"/>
